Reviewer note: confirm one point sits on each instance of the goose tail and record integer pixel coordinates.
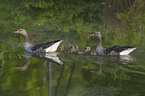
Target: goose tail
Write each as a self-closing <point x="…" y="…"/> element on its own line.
<point x="127" y="51"/>
<point x="53" y="47"/>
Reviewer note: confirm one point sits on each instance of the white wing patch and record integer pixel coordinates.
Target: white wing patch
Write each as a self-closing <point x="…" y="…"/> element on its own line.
<point x="126" y="52"/>
<point x="54" y="57"/>
<point x="53" y="47"/>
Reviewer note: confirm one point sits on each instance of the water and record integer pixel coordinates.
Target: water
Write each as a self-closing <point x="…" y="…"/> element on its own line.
<point x="58" y="74"/>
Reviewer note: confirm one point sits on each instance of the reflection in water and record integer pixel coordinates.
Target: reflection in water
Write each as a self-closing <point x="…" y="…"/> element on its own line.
<point x="70" y="77"/>
<point x="58" y="82"/>
<point x="99" y="70"/>
<point x="126" y="59"/>
<point x="50" y="57"/>
<point x="62" y="79"/>
<point x="74" y="77"/>
<point x="49" y="77"/>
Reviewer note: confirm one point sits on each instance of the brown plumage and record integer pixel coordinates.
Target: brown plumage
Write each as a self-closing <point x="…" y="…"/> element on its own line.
<point x="114" y="50"/>
<point x="43" y="45"/>
<point x="40" y="47"/>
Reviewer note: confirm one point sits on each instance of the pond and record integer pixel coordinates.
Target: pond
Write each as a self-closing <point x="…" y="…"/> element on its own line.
<point x="59" y="74"/>
<point x="121" y="22"/>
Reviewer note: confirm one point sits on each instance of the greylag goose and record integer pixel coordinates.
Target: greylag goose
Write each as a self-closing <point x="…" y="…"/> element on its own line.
<point x="114" y="50"/>
<point x="40" y="47"/>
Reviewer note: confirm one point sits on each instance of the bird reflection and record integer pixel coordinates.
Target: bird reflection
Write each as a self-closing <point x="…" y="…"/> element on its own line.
<point x="126" y="59"/>
<point x="49" y="57"/>
<point x="99" y="70"/>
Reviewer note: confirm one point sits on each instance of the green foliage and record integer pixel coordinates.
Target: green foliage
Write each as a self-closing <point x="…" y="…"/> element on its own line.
<point x="63" y="16"/>
<point x="78" y="18"/>
<point x="72" y="21"/>
<point x="134" y="22"/>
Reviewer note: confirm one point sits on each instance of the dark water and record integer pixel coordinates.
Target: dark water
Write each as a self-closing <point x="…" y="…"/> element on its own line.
<point x="58" y="74"/>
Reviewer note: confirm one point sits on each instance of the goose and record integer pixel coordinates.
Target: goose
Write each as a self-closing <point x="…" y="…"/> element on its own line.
<point x="114" y="50"/>
<point x="40" y="47"/>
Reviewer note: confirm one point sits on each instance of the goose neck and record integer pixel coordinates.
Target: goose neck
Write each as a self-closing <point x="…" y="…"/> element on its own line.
<point x="26" y="38"/>
<point x="100" y="43"/>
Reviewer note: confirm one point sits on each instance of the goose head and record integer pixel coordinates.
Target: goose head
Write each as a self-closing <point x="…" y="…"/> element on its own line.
<point x="96" y="34"/>
<point x="21" y="31"/>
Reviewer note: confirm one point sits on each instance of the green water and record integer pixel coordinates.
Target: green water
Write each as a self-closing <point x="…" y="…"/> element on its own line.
<point x="58" y="74"/>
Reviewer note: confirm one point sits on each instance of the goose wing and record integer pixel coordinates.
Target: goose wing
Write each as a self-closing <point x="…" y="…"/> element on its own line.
<point x="116" y="49"/>
<point x="42" y="46"/>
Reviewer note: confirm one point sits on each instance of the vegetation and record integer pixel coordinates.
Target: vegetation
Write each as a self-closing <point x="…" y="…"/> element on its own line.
<point x="121" y="22"/>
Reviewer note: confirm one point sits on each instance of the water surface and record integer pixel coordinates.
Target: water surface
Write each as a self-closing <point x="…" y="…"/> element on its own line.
<point x="58" y="74"/>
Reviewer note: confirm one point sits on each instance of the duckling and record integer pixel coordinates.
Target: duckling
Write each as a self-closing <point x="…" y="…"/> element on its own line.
<point x="86" y="51"/>
<point x="61" y="48"/>
<point x="89" y="51"/>
<point x="79" y="51"/>
<point x="76" y="50"/>
<point x="93" y="52"/>
<point x="70" y="50"/>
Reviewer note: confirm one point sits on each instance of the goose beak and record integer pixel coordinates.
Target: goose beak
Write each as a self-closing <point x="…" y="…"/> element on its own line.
<point x="17" y="67"/>
<point x="92" y="71"/>
<point x="17" y="31"/>
<point x="92" y="35"/>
